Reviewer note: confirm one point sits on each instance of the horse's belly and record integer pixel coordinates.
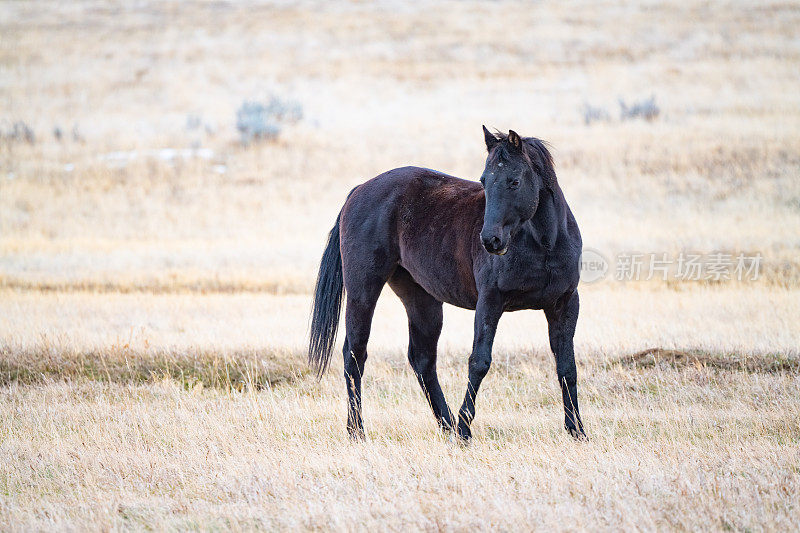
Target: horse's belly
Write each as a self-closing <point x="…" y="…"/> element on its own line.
<point x="444" y="281"/>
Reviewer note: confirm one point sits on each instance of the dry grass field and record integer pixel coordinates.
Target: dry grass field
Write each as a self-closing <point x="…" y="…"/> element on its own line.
<point x="155" y="273"/>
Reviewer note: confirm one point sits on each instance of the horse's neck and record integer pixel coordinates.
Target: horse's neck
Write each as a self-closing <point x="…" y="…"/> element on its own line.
<point x="550" y="217"/>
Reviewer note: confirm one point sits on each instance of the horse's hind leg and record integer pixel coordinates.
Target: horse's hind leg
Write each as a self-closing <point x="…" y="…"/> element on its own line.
<point x="358" y="320"/>
<point x="424" y="327"/>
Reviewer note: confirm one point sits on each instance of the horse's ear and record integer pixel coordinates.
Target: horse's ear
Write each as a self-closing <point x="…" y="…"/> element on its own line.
<point x="514" y="140"/>
<point x="491" y="140"/>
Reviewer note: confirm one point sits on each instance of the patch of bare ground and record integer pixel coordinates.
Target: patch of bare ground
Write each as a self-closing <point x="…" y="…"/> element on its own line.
<point x="236" y="370"/>
<point x="164" y="285"/>
<point x="754" y="363"/>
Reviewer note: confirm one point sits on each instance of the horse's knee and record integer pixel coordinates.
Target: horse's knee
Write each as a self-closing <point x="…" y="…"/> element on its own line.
<point x="479" y="364"/>
<point x="567" y="375"/>
<point x="422" y="363"/>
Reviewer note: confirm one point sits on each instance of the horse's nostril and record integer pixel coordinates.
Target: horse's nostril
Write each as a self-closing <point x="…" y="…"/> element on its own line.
<point x="491" y="243"/>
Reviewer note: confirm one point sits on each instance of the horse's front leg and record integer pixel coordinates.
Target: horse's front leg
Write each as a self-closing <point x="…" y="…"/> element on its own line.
<point x="487" y="315"/>
<point x="561" y="321"/>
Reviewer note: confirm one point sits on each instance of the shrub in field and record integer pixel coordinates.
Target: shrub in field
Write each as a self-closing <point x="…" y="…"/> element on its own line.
<point x="594" y="114"/>
<point x="257" y="121"/>
<point x="20" y="132"/>
<point x="646" y="109"/>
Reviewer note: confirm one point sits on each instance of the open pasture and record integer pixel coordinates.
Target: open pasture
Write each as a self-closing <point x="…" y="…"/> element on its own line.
<point x="156" y="272"/>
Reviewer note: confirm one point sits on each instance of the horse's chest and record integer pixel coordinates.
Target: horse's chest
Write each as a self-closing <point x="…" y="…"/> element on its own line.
<point x="536" y="280"/>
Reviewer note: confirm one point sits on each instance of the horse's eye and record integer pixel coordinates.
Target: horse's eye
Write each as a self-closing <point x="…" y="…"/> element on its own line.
<point x="514" y="183"/>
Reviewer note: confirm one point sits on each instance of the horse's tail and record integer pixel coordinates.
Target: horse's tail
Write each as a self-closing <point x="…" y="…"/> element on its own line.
<point x="327" y="304"/>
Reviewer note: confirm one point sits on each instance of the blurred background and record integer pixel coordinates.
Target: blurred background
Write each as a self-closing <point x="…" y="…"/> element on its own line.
<point x="166" y="145"/>
<point x="197" y="150"/>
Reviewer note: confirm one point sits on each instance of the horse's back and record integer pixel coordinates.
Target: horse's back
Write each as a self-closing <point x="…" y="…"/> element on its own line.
<point x="397" y="196"/>
<point x="424" y="220"/>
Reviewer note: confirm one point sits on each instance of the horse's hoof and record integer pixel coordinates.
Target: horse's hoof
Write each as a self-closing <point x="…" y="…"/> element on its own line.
<point x="464" y="433"/>
<point x="356" y="435"/>
<point x="447" y="428"/>
<point x="578" y="435"/>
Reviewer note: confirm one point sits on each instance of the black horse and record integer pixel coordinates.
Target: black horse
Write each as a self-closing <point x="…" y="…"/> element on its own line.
<point x="506" y="244"/>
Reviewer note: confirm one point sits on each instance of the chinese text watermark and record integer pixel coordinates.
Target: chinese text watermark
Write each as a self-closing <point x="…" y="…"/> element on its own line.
<point x="683" y="266"/>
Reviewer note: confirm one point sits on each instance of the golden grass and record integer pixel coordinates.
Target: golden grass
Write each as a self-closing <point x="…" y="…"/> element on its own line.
<point x="153" y="308"/>
<point x="676" y="449"/>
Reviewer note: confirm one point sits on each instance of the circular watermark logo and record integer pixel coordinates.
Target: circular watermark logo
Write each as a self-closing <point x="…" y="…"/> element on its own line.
<point x="594" y="266"/>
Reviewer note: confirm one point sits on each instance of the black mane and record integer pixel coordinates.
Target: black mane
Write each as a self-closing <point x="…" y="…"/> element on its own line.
<point x="535" y="153"/>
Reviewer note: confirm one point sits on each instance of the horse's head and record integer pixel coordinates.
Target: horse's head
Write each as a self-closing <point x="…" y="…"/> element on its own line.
<point x="516" y="171"/>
